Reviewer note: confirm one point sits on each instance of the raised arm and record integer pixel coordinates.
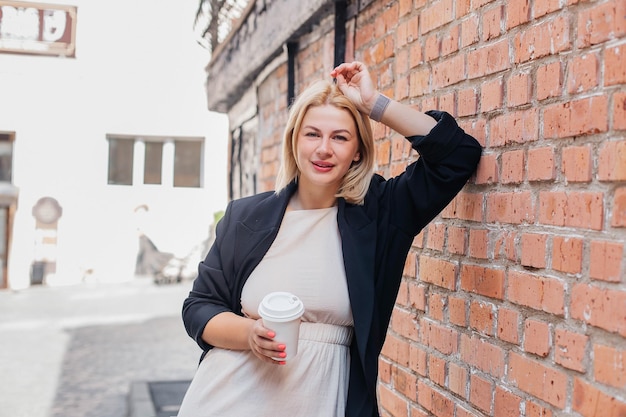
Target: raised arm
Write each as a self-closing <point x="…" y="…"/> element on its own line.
<point x="355" y="81"/>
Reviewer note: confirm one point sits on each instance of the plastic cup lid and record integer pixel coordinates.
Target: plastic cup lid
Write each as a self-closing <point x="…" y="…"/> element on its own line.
<point x="281" y="306"/>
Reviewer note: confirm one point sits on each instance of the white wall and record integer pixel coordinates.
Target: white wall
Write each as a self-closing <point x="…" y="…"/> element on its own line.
<point x="137" y="71"/>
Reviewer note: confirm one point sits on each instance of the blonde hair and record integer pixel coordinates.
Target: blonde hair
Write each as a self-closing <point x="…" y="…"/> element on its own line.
<point x="356" y="181"/>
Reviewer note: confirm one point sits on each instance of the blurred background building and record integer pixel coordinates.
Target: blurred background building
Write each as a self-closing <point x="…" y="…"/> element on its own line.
<point x="103" y="111"/>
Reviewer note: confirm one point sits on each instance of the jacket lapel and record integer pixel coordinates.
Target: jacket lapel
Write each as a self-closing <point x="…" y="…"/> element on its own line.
<point x="256" y="232"/>
<point x="358" y="236"/>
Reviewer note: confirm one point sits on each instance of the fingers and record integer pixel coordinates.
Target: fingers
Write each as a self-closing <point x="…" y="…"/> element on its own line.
<point x="347" y="70"/>
<point x="263" y="346"/>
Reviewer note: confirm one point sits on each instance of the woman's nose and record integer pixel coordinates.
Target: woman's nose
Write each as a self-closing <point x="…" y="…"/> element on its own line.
<point x="325" y="146"/>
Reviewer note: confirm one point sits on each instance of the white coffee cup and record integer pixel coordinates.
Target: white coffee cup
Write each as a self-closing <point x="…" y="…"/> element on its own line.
<point x="282" y="312"/>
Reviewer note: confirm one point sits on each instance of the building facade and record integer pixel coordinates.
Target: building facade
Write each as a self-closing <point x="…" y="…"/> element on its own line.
<point x="102" y="116"/>
<point x="513" y="301"/>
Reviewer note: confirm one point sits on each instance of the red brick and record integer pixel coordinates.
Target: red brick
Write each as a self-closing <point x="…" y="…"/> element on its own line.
<point x="384" y="370"/>
<point x="404" y="323"/>
<point x="542" y="8"/>
<point x="589" y="401"/>
<point x="435" y="236"/>
<point x="457" y="240"/>
<point x="478" y="241"/>
<point x="576" y="163"/>
<point x="618" y="218"/>
<point x="609" y="365"/>
<point x="457" y="380"/>
<point x="391" y="401"/>
<point x="481" y="392"/>
<point x="448" y="72"/>
<point x="537" y="337"/>
<point x="508" y="324"/>
<point x="410" y="266"/>
<point x="437" y="370"/>
<point x="511" y="207"/>
<point x="570" y="349"/>
<point x="447" y="102"/>
<point x="396" y="350"/>
<point x="535" y="410"/>
<point x="450" y="41"/>
<point x="405" y="383"/>
<point x="436" y="15"/>
<point x="518" y="90"/>
<point x="583" y="73"/>
<point x="572" y="209"/>
<point x="484" y="281"/>
<point x="506" y="404"/>
<point x="512" y="167"/>
<point x="437" y="271"/>
<point x="416" y="55"/>
<point x="604" y="308"/>
<point x="467" y="102"/>
<point x="462" y="412"/>
<point x="441" y="338"/>
<point x="538" y="380"/>
<point x="549" y="80"/>
<point x="469" y="31"/>
<point x="431" y="47"/>
<point x="418" y="359"/>
<point x="605" y="260"/>
<point x="465" y="206"/>
<point x="419" y="82"/>
<point x="417" y="296"/>
<point x="488" y="59"/>
<point x="548" y="38"/>
<point x="434" y="401"/>
<point x="567" y="254"/>
<point x="492" y="22"/>
<point x="483" y="355"/>
<point x="612" y="161"/>
<point x="514" y="127"/>
<point x="505" y="246"/>
<point x="518" y="12"/>
<point x="457" y="311"/>
<point x="619" y="111"/>
<point x="436" y="306"/>
<point x="600" y="23"/>
<point x="491" y="95"/>
<point x="481" y="317"/>
<point x="487" y="171"/>
<point x="583" y="116"/>
<point x="545" y="294"/>
<point x="533" y="247"/>
<point x="541" y="164"/>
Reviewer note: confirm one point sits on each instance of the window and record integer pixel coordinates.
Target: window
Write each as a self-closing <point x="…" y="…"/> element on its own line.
<point x="155" y="161"/>
<point x="6" y="157"/>
<point x="187" y="161"/>
<point x="121" y="161"/>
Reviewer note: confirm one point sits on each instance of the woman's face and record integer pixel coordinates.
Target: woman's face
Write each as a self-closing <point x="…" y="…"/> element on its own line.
<point x="327" y="144"/>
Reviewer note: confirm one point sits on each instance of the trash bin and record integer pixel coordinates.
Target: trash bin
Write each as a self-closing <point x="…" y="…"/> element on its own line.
<point x="37" y="273"/>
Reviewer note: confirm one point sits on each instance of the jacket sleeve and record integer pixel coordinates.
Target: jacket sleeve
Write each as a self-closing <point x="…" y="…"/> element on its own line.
<point x="447" y="159"/>
<point x="211" y="291"/>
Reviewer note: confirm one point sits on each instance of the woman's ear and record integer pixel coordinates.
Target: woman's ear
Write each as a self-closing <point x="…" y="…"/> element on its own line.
<point x="357" y="157"/>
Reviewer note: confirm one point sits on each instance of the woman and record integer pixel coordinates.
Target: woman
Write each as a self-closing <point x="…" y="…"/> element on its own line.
<point x="337" y="236"/>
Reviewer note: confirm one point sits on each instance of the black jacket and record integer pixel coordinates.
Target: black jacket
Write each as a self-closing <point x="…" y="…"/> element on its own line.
<point x="375" y="236"/>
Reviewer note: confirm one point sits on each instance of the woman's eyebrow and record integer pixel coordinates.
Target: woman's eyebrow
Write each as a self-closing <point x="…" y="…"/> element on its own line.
<point x="334" y="131"/>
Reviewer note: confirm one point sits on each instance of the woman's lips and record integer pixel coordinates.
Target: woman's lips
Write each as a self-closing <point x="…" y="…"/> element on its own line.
<point x="322" y="166"/>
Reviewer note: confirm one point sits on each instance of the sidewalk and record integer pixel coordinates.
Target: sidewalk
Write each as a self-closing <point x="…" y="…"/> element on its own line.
<point x="83" y="351"/>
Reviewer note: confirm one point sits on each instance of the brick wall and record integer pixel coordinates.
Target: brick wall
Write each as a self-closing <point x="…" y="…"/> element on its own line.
<point x="514" y="299"/>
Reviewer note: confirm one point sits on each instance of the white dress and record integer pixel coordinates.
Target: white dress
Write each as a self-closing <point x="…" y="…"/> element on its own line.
<point x="305" y="259"/>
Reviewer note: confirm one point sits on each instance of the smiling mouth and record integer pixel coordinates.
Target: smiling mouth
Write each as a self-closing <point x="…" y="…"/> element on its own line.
<point x="323" y="165"/>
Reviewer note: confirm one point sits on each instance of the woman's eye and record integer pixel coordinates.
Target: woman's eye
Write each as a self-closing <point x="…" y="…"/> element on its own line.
<point x="312" y="134"/>
<point x="340" y="138"/>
